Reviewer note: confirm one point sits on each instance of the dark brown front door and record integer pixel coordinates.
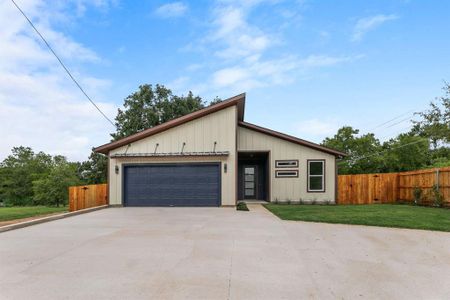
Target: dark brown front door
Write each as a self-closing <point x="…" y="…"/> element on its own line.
<point x="250" y="182"/>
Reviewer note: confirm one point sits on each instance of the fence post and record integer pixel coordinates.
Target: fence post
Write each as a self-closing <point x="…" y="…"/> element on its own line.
<point x="437" y="180"/>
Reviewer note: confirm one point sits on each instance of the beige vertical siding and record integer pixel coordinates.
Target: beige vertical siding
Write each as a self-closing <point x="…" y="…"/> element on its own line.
<point x="293" y="189"/>
<point x="199" y="136"/>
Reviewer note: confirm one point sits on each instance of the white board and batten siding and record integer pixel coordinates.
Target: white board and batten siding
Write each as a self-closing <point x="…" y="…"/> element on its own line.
<point x="293" y="189"/>
<point x="199" y="136"/>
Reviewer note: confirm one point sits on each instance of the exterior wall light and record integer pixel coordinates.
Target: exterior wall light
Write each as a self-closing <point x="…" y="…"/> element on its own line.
<point x="117" y="169"/>
<point x="224" y="167"/>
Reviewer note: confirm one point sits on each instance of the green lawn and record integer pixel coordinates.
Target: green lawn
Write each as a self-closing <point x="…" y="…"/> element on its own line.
<point x="386" y="215"/>
<point x="19" y="212"/>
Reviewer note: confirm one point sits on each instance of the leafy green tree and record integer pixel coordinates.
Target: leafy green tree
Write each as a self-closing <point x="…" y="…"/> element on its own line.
<point x="151" y="106"/>
<point x="18" y="171"/>
<point x="52" y="189"/>
<point x="360" y="150"/>
<point x="215" y="101"/>
<point x="440" y="157"/>
<point x="405" y="153"/>
<point x="435" y="122"/>
<point x="94" y="170"/>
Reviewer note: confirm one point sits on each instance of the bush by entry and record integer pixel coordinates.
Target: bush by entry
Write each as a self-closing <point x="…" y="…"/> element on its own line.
<point x="21" y="212"/>
<point x="386" y="215"/>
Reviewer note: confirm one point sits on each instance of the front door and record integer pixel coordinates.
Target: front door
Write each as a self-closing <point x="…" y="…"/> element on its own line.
<point x="250" y="182"/>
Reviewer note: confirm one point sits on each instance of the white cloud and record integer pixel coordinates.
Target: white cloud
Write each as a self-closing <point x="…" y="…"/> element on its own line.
<point x="178" y="85"/>
<point x="242" y="55"/>
<point x="233" y="34"/>
<point x="194" y="67"/>
<point x="316" y="130"/>
<point x="229" y="76"/>
<point x="171" y="10"/>
<point x="40" y="106"/>
<point x="81" y="5"/>
<point x="314" y="61"/>
<point x="260" y="73"/>
<point x="367" y="24"/>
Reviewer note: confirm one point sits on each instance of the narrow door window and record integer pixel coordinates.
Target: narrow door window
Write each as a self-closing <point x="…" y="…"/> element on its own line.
<point x="249" y="182"/>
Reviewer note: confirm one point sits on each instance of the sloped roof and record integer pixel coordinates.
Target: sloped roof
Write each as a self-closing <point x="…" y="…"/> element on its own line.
<point x="290" y="138"/>
<point x="238" y="100"/>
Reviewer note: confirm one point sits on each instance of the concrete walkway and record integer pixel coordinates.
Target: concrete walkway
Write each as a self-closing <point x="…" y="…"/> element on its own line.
<point x="219" y="253"/>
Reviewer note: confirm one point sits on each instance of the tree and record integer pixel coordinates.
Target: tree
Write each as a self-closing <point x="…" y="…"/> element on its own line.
<point x="151" y="106"/>
<point x="18" y="171"/>
<point x="52" y="189"/>
<point x="440" y="157"/>
<point x="405" y="153"/>
<point x="435" y="122"/>
<point x="360" y="151"/>
<point x="216" y="100"/>
<point x="94" y="170"/>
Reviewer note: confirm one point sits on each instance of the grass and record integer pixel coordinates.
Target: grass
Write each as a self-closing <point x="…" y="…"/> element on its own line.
<point x="385" y="215"/>
<point x="242" y="206"/>
<point x="20" y="212"/>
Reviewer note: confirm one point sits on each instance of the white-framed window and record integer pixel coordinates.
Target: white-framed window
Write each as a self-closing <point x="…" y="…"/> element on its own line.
<point x="286" y="173"/>
<point x="286" y="163"/>
<point x="316" y="175"/>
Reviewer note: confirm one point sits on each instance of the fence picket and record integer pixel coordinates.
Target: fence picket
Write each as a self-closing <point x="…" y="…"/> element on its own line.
<point x="392" y="187"/>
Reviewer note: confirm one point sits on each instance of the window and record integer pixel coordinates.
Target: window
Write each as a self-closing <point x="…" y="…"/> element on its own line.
<point x="286" y="173"/>
<point x="249" y="182"/>
<point x="316" y="175"/>
<point x="291" y="163"/>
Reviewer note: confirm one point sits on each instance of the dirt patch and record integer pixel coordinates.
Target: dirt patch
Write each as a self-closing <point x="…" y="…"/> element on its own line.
<point x="9" y="222"/>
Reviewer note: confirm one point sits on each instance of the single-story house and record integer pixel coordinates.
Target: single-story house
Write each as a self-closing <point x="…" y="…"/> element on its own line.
<point x="212" y="157"/>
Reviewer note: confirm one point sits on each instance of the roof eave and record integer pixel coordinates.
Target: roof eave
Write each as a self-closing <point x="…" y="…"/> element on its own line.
<point x="238" y="100"/>
<point x="292" y="139"/>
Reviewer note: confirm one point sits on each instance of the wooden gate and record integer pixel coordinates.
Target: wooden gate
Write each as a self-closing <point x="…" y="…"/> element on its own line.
<point x="367" y="188"/>
<point x="86" y="196"/>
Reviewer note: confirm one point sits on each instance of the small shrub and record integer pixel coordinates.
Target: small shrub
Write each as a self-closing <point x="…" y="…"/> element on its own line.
<point x="417" y="193"/>
<point x="313" y="201"/>
<point x="242" y="206"/>
<point x="275" y="201"/>
<point x="300" y="201"/>
<point x="438" y="198"/>
<point x="288" y="201"/>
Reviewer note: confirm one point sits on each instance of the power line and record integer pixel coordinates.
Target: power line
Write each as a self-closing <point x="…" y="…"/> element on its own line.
<point x="62" y="64"/>
<point x="377" y="153"/>
<point x="401" y="121"/>
<point x="382" y="138"/>
<point x="393" y="119"/>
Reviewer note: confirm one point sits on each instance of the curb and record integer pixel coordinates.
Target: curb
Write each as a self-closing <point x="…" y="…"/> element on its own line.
<point x="50" y="218"/>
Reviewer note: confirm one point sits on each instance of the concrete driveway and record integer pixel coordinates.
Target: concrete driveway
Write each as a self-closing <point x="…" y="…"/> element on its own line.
<point x="219" y="253"/>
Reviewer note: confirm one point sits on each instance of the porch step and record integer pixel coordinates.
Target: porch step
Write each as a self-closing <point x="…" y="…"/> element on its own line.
<point x="253" y="201"/>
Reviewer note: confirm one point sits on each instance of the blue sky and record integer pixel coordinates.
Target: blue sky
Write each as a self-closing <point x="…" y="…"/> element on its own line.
<point x="308" y="67"/>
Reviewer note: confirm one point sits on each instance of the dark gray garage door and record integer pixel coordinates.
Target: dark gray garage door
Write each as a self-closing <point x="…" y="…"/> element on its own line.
<point x="172" y="185"/>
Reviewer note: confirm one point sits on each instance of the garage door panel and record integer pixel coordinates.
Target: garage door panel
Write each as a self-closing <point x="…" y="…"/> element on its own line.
<point x="172" y="185"/>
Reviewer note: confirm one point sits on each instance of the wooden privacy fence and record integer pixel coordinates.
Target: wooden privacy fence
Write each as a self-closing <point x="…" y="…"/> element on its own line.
<point x="393" y="187"/>
<point x="86" y="196"/>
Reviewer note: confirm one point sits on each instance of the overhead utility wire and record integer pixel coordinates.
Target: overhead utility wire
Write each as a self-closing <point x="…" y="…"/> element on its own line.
<point x="401" y="121"/>
<point x="393" y="119"/>
<point x="377" y="153"/>
<point x="391" y="135"/>
<point x="62" y="64"/>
